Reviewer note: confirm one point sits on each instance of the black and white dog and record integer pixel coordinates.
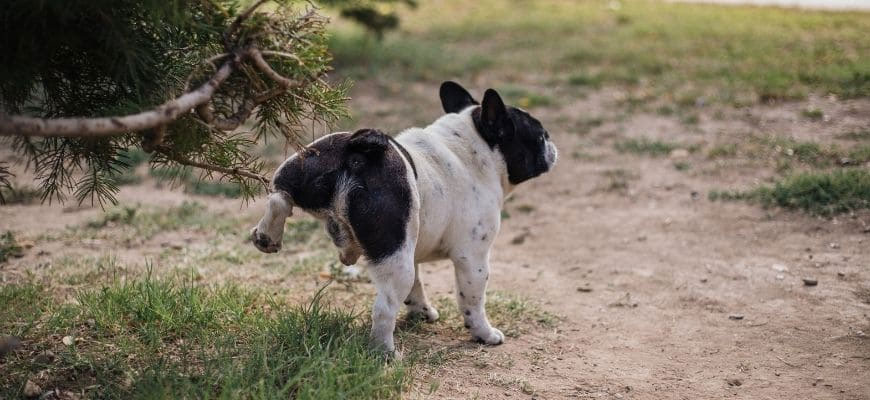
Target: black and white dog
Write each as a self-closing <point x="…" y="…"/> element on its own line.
<point x="426" y="195"/>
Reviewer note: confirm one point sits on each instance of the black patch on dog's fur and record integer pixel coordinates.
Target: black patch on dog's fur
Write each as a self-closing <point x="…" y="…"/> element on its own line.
<point x="454" y="98"/>
<point x="379" y="204"/>
<point x="520" y="137"/>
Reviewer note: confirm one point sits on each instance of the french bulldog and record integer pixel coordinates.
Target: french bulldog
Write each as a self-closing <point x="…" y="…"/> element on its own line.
<point x="429" y="194"/>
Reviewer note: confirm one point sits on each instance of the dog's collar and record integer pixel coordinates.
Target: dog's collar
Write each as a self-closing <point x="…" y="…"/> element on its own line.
<point x="405" y="154"/>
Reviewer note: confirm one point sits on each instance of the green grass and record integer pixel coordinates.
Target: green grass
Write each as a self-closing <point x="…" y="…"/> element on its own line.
<point x="818" y="193"/>
<point x="856" y="135"/>
<point x="813" y="114"/>
<point x="8" y="246"/>
<point x="148" y="338"/>
<point x="646" y="146"/>
<point x="785" y="150"/>
<point x="725" y="150"/>
<point x="736" y="55"/>
<point x="145" y="223"/>
<point x="682" y="166"/>
<point x="859" y="154"/>
<point x="584" y="79"/>
<point x="359" y="56"/>
<point x="524" y="98"/>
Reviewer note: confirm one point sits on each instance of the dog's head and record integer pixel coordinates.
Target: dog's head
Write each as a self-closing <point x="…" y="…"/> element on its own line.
<point x="521" y="139"/>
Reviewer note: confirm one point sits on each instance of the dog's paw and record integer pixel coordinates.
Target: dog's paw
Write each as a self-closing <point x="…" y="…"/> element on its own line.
<point x="387" y="355"/>
<point x="495" y="337"/>
<point x="426" y="312"/>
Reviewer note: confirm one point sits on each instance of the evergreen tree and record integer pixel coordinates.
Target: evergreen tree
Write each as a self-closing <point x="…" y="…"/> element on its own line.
<point x="376" y="16"/>
<point x="83" y="81"/>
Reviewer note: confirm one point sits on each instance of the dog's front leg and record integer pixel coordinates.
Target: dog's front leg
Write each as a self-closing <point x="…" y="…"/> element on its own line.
<point x="472" y="274"/>
<point x="393" y="279"/>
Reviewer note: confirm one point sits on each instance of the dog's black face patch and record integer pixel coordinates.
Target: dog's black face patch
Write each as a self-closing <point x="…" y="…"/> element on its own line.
<point x="378" y="196"/>
<point x="520" y="138"/>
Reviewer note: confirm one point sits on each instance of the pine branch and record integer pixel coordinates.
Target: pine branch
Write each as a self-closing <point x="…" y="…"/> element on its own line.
<point x="14" y="125"/>
<point x="158" y="57"/>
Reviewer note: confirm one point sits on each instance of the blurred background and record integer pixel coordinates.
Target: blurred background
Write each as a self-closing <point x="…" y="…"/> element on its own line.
<point x="704" y="234"/>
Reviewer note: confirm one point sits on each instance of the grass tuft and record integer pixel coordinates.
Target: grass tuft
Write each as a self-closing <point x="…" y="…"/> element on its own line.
<point x="145" y="223"/>
<point x="813" y="114"/>
<point x="645" y="146"/>
<point x="9" y="247"/>
<point x="818" y="193"/>
<point x="150" y="338"/>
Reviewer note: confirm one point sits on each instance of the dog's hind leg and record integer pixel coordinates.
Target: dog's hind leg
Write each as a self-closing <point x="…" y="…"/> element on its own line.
<point x="417" y="302"/>
<point x="393" y="279"/>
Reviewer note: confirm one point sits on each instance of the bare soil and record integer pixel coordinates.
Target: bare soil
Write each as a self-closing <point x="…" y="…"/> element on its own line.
<point x="661" y="293"/>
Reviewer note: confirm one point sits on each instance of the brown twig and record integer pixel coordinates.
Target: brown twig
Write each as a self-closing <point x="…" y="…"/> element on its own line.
<point x="257" y="57"/>
<point x="216" y="168"/>
<point x="234" y="26"/>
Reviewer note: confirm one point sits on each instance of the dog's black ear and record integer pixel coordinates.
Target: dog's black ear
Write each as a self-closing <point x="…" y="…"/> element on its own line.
<point x="454" y="98"/>
<point x="494" y="117"/>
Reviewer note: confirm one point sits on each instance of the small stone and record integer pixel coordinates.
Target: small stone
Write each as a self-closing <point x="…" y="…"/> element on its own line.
<point x="780" y="276"/>
<point x="67" y="340"/>
<point x="834" y="245"/>
<point x="91" y="323"/>
<point x="31" y="389"/>
<point x="9" y="344"/>
<point x="779" y="268"/>
<point x="703" y="280"/>
<point x="679" y="153"/>
<point x="46" y="357"/>
<point x="841" y="274"/>
<point x="735" y="317"/>
<point x="734" y="382"/>
<point x="584" y="289"/>
<point x="811" y="281"/>
<point x="519" y="239"/>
